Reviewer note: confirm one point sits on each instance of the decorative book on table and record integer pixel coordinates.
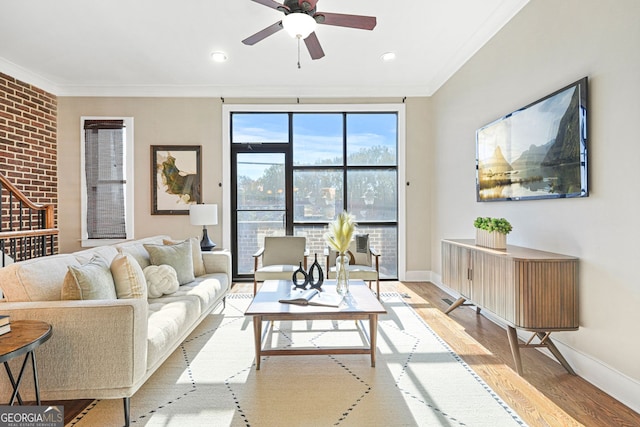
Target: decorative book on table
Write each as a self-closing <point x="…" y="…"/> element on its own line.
<point x="313" y="297"/>
<point x="5" y="326"/>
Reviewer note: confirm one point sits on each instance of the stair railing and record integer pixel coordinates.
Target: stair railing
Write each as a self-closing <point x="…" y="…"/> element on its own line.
<point x="26" y="228"/>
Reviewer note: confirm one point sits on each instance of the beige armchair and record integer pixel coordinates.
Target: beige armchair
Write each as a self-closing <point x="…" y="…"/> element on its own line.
<point x="364" y="262"/>
<point x="281" y="257"/>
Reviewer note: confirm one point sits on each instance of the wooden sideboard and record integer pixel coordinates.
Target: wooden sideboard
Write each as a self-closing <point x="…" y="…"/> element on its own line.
<point x="528" y="289"/>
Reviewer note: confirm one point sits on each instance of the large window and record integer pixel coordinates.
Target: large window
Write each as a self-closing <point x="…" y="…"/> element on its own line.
<point x="107" y="184"/>
<point x="328" y="162"/>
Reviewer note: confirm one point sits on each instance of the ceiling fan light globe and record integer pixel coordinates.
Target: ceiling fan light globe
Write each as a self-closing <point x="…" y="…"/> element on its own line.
<point x="299" y="25"/>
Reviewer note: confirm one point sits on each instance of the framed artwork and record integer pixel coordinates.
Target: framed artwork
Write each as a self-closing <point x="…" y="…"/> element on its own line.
<point x="176" y="179"/>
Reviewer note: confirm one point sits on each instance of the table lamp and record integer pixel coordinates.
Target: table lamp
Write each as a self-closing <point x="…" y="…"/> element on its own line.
<point x="204" y="215"/>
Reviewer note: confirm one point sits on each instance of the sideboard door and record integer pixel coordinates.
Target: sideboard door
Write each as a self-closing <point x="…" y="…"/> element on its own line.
<point x="457" y="269"/>
<point x="493" y="285"/>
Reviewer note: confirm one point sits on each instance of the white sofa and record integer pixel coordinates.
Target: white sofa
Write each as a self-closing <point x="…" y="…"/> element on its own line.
<point x="105" y="348"/>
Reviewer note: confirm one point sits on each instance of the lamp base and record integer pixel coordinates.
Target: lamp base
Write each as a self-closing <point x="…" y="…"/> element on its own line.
<point x="206" y="244"/>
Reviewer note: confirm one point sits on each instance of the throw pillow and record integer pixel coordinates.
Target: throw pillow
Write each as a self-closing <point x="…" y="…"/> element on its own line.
<point x="90" y="281"/>
<point x="196" y="254"/>
<point x="360" y="249"/>
<point x="128" y="277"/>
<point x="161" y="280"/>
<point x="138" y="252"/>
<point x="177" y="256"/>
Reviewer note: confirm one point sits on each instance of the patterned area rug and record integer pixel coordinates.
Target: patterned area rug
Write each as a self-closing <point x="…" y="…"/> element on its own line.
<point x="211" y="379"/>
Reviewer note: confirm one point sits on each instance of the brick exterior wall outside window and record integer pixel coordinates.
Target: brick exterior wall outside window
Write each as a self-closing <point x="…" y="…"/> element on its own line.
<point x="28" y="139"/>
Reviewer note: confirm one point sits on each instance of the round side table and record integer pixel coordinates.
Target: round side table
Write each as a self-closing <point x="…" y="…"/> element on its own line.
<point x="25" y="336"/>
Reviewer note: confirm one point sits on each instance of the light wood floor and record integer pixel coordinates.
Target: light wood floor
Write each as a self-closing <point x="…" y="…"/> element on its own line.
<point x="546" y="395"/>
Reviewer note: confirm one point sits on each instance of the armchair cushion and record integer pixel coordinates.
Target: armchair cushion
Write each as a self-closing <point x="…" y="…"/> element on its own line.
<point x="284" y="250"/>
<point x="359" y="252"/>
<point x="275" y="272"/>
<point x="281" y="256"/>
<point x="359" y="249"/>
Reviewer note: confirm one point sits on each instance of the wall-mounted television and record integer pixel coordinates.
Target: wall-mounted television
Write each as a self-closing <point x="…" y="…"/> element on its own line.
<point x="536" y="152"/>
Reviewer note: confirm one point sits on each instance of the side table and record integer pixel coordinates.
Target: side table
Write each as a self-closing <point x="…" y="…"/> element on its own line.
<point x="25" y="336"/>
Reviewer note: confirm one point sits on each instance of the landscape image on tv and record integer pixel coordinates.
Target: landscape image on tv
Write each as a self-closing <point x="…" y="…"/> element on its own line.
<point x="538" y="151"/>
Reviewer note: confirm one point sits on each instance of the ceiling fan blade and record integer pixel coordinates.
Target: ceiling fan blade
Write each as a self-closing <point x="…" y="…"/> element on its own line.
<point x="272" y="4"/>
<point x="313" y="45"/>
<point x="342" y="20"/>
<point x="263" y="34"/>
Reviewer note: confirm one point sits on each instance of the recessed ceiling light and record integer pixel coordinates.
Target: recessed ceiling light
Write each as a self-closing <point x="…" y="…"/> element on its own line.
<point x="219" y="56"/>
<point x="388" y="56"/>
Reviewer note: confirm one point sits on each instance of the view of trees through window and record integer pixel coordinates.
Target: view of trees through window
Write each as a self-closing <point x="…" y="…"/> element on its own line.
<point x="295" y="172"/>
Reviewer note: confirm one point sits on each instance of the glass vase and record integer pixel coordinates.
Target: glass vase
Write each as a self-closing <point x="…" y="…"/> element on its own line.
<point x="342" y="274"/>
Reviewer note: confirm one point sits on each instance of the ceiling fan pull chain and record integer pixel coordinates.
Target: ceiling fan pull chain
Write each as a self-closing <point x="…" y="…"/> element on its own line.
<point x="298" y="51"/>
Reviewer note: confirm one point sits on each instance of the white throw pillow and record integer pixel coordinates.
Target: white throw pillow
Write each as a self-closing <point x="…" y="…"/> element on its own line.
<point x="161" y="280"/>
<point x="128" y="277"/>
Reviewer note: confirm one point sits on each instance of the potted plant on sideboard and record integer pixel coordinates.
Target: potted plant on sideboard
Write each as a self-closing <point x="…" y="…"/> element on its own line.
<point x="492" y="232"/>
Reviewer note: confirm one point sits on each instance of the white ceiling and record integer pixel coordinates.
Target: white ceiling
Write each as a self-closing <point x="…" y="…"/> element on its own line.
<point x="163" y="47"/>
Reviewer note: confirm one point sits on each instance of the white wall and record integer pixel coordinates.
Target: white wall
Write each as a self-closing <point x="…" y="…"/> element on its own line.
<point x="157" y="121"/>
<point x="548" y="45"/>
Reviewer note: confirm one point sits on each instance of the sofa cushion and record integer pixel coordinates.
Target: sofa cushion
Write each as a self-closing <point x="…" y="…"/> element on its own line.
<point x="169" y="319"/>
<point x="177" y="256"/>
<point x="196" y="254"/>
<point x="106" y="252"/>
<point x="37" y="279"/>
<point x="161" y="280"/>
<point x="206" y="288"/>
<point x="90" y="281"/>
<point x="128" y="277"/>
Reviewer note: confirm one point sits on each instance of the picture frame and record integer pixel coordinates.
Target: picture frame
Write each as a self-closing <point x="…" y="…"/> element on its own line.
<point x="176" y="178"/>
<point x="536" y="152"/>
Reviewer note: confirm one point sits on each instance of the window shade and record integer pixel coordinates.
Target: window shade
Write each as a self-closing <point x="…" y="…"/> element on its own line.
<point x="104" y="168"/>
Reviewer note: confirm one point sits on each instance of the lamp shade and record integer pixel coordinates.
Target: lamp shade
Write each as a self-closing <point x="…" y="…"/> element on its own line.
<point x="299" y="25"/>
<point x="203" y="214"/>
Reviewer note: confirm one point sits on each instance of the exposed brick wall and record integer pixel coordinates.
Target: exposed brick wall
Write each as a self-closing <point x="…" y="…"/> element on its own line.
<point x="28" y="140"/>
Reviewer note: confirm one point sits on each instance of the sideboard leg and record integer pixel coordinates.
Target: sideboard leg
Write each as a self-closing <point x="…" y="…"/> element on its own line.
<point x="554" y="350"/>
<point x="515" y="348"/>
<point x="455" y="305"/>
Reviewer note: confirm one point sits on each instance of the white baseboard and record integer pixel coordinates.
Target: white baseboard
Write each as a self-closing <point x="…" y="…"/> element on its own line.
<point x="606" y="378"/>
<point x="416" y="276"/>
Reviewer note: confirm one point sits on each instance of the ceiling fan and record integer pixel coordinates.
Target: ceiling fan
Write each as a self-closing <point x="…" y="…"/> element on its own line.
<point x="304" y="13"/>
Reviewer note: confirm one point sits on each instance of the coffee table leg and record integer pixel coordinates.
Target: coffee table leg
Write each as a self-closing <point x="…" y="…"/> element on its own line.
<point x="373" y="334"/>
<point x="257" y="337"/>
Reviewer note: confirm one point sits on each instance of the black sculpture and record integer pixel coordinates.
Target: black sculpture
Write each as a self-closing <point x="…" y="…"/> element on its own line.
<point x="305" y="282"/>
<point x="316" y="284"/>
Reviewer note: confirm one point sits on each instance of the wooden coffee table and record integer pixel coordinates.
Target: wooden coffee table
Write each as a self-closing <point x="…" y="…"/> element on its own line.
<point x="361" y="304"/>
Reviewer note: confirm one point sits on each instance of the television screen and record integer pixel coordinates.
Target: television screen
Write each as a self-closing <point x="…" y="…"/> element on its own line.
<point x="538" y="151"/>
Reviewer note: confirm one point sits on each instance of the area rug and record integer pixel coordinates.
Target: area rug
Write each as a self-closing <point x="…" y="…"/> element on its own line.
<point x="211" y="379"/>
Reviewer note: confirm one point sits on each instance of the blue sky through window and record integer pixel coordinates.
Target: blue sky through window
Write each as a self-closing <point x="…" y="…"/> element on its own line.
<point x="317" y="137"/>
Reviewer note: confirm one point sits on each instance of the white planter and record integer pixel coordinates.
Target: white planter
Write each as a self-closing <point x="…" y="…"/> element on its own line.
<point x="493" y="239"/>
